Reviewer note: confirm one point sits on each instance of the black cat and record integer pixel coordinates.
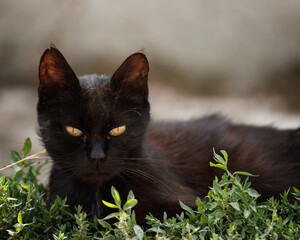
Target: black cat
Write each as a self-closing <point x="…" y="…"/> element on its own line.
<point x="98" y="132"/>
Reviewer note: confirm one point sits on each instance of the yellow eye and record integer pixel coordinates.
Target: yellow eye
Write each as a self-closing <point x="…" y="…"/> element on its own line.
<point x="73" y="131"/>
<point x="117" y="131"/>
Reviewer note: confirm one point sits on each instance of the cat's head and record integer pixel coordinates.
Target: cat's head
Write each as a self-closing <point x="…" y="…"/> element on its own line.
<point x="93" y="127"/>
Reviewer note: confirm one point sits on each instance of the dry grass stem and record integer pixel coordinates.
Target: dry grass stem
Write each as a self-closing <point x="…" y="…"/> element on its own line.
<point x="34" y="156"/>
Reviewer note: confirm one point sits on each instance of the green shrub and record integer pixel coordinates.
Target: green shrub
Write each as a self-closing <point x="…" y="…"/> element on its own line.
<point x="230" y="211"/>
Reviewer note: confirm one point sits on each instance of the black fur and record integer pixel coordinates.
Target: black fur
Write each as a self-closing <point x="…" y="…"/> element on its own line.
<point x="161" y="162"/>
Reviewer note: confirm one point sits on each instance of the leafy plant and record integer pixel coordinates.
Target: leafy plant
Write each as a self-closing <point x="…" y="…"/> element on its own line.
<point x="229" y="211"/>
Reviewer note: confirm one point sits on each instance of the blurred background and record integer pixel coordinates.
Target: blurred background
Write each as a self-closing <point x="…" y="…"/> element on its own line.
<point x="240" y="58"/>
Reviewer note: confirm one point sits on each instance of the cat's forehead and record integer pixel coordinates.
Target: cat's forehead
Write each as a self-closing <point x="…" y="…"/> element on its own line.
<point x="94" y="88"/>
<point x="95" y="101"/>
<point x="93" y="80"/>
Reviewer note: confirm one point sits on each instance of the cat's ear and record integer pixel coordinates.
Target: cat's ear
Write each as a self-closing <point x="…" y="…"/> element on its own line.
<point x="56" y="76"/>
<point x="130" y="79"/>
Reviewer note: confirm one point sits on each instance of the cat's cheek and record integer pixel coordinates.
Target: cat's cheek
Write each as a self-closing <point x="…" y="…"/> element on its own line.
<point x="125" y="146"/>
<point x="112" y="152"/>
<point x="113" y="155"/>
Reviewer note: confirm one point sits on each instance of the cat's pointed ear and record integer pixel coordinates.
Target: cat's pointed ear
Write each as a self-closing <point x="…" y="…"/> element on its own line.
<point x="130" y="79"/>
<point x="56" y="76"/>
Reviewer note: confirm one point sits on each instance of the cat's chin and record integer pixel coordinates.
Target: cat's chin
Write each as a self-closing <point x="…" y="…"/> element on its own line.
<point x="98" y="177"/>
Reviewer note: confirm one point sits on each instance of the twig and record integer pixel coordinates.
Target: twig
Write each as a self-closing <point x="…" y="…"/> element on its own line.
<point x="36" y="155"/>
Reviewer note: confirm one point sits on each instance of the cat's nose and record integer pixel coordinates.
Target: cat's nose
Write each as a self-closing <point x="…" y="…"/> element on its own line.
<point x="96" y="153"/>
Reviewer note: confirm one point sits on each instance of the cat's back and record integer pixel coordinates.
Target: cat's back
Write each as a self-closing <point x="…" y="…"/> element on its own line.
<point x="215" y="131"/>
<point x="187" y="148"/>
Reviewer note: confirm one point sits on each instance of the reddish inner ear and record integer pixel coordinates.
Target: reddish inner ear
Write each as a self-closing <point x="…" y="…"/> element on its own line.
<point x="55" y="72"/>
<point x="48" y="69"/>
<point x="132" y="74"/>
<point x="136" y="66"/>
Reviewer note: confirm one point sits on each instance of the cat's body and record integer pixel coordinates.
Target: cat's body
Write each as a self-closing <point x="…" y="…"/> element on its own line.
<point x="161" y="162"/>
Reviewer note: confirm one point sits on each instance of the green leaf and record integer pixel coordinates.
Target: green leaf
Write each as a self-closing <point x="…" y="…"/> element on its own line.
<point x="112" y="215"/>
<point x="218" y="158"/>
<point x="110" y="205"/>
<point x="15" y="156"/>
<point x="244" y="173"/>
<point x="211" y="205"/>
<point x="187" y="208"/>
<point x="130" y="204"/>
<point x="274" y="216"/>
<point x="246" y="213"/>
<point x="195" y="230"/>
<point x="218" y="166"/>
<point x="116" y="196"/>
<point x="2" y="180"/>
<point x="26" y="147"/>
<point x="253" y="207"/>
<point x="225" y="155"/>
<point x="18" y="176"/>
<point x="138" y="231"/>
<point x="130" y="195"/>
<point x="19" y="218"/>
<point x="17" y="168"/>
<point x="203" y="219"/>
<point x="105" y="224"/>
<point x="18" y="227"/>
<point x="11" y="233"/>
<point x="156" y="230"/>
<point x="12" y="199"/>
<point x="252" y="192"/>
<point x="217" y="189"/>
<point x="58" y="199"/>
<point x="25" y="186"/>
<point x="235" y="205"/>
